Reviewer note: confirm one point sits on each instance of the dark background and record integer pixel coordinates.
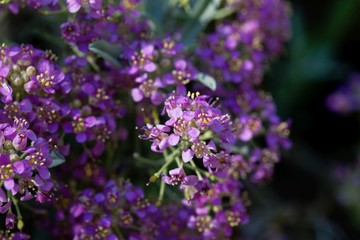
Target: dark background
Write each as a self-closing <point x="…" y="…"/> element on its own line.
<point x="302" y="201"/>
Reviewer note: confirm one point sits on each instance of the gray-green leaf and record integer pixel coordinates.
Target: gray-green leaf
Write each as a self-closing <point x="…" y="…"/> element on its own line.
<point x="108" y="51"/>
<point x="207" y="80"/>
<point x="57" y="159"/>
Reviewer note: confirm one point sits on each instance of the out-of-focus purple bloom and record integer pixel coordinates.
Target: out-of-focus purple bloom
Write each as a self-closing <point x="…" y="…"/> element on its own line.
<point x="75" y="5"/>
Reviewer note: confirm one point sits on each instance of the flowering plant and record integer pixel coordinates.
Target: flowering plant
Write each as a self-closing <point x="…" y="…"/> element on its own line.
<point x="75" y="131"/>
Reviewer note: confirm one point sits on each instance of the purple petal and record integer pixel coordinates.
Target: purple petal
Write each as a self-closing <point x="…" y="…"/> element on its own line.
<point x="5" y="207"/>
<point x="150" y="67"/>
<point x="49" y="90"/>
<point x="157" y="98"/>
<point x="173" y="139"/>
<point x="246" y="135"/>
<point x="76" y="210"/>
<point x="148" y="50"/>
<point x="163" y="144"/>
<point x="177" y="172"/>
<point x="73" y="5"/>
<point x="180" y="64"/>
<point x="4" y="71"/>
<point x="193" y="132"/>
<point x="191" y="180"/>
<point x="166" y="179"/>
<point x="44" y="172"/>
<point x="4" y="159"/>
<point x="2" y="196"/>
<point x="96" y="4"/>
<point x="9" y="184"/>
<point x="19" y="167"/>
<point x="5" y="89"/>
<point x="81" y="137"/>
<point x="25" y="106"/>
<point x="99" y="197"/>
<point x="187" y="155"/>
<point x="98" y="148"/>
<point x="44" y="66"/>
<point x="88" y="88"/>
<point x="31" y="86"/>
<point x="137" y="94"/>
<point x="211" y="145"/>
<point x="31" y="135"/>
<point x="59" y="76"/>
<point x="216" y="126"/>
<point x="90" y="121"/>
<point x="248" y="65"/>
<point x="175" y="113"/>
<point x="188" y="115"/>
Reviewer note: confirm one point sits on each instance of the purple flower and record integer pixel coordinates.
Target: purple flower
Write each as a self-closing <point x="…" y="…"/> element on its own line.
<point x="75" y="5"/>
<point x="178" y="176"/>
<point x="79" y="126"/>
<point x="183" y="73"/>
<point x="147" y="89"/>
<point x="70" y="31"/>
<point x="5" y="88"/>
<point x="142" y="60"/>
<point x="47" y="78"/>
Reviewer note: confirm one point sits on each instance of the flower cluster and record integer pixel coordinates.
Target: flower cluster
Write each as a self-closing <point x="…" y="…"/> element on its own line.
<point x="238" y="51"/>
<point x="28" y="132"/>
<point x="121" y="208"/>
<point x="117" y="75"/>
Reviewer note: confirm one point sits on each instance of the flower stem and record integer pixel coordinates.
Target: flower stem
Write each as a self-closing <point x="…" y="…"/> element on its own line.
<point x="22" y="156"/>
<point x="196" y="169"/>
<point x="161" y="192"/>
<point x="118" y="233"/>
<point x="168" y="160"/>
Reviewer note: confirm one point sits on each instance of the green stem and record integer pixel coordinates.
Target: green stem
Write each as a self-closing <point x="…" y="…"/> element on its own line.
<point x="22" y="156"/>
<point x="118" y="233"/>
<point x="200" y="171"/>
<point x="92" y="63"/>
<point x="161" y="192"/>
<point x="17" y="209"/>
<point x="168" y="160"/>
<point x="196" y="169"/>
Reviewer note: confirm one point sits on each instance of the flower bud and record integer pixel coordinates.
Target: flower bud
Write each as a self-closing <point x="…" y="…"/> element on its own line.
<point x="30" y="71"/>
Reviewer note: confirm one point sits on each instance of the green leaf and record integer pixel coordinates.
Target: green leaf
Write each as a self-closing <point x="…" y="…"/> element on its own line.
<point x="207" y="80"/>
<point x="202" y="13"/>
<point x="223" y="13"/>
<point x="107" y="51"/>
<point x="156" y="11"/>
<point x="57" y="159"/>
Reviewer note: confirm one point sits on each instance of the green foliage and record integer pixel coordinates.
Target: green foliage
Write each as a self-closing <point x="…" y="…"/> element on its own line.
<point x="107" y="51"/>
<point x="58" y="159"/>
<point x="207" y="80"/>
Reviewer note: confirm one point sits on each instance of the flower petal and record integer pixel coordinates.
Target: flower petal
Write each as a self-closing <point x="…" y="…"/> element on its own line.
<point x="187" y="155"/>
<point x="173" y="139"/>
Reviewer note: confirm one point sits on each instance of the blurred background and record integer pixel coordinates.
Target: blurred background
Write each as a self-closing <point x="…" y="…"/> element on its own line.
<point x="315" y="191"/>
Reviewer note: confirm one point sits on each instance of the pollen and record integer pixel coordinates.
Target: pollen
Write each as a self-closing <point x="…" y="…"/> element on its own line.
<point x="6" y="172"/>
<point x="147" y="87"/>
<point x="78" y="124"/>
